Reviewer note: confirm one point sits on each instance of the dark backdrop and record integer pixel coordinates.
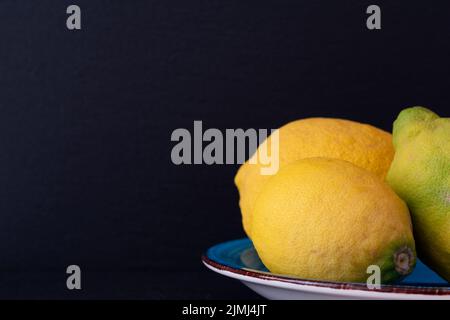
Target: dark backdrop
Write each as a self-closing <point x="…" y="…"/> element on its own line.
<point x="86" y="119"/>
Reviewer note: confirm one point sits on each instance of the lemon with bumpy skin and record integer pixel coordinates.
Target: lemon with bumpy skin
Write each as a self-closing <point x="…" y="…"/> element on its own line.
<point x="328" y="219"/>
<point x="420" y="174"/>
<point x="361" y="144"/>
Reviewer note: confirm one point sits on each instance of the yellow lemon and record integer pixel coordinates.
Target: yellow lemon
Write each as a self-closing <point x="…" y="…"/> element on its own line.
<point x="328" y="219"/>
<point x="361" y="144"/>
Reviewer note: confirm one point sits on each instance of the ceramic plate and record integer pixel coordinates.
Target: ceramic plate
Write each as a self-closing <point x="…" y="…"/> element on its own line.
<point x="238" y="259"/>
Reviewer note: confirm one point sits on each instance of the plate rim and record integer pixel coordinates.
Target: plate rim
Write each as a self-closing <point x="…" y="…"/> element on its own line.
<point x="347" y="286"/>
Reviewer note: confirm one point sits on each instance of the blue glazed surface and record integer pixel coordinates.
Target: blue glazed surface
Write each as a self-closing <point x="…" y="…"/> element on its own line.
<point x="240" y="254"/>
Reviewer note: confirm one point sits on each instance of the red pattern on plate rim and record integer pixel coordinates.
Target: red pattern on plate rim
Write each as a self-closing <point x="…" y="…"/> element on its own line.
<point x="328" y="284"/>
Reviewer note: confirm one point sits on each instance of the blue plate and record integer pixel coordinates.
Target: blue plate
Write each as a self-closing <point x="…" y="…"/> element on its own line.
<point x="238" y="259"/>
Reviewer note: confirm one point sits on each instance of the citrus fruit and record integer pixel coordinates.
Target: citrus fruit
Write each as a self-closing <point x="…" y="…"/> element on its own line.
<point x="420" y="174"/>
<point x="327" y="219"/>
<point x="361" y="144"/>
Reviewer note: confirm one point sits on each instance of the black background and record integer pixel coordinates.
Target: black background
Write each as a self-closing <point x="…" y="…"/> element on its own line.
<point x="86" y="118"/>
